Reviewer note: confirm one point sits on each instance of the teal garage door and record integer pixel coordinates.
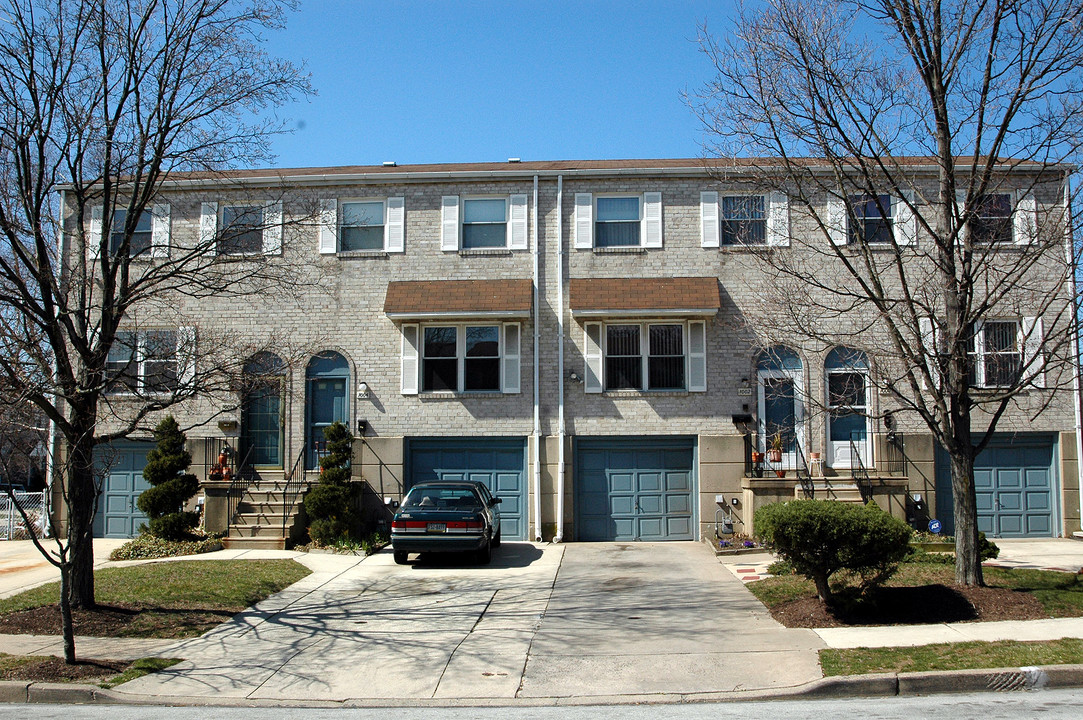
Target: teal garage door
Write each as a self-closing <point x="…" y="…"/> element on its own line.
<point x="122" y="465"/>
<point x="1014" y="485"/>
<point x="500" y="463"/>
<point x="634" y="489"/>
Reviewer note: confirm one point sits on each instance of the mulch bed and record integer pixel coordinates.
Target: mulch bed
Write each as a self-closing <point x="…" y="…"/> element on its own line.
<point x="926" y="604"/>
<point x="56" y="670"/>
<point x="117" y="620"/>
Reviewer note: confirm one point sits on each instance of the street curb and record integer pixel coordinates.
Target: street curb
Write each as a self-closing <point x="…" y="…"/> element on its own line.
<point x="843" y="686"/>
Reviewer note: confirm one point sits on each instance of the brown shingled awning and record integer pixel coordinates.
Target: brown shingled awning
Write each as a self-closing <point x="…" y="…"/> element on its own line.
<point x="608" y="297"/>
<point x="435" y="299"/>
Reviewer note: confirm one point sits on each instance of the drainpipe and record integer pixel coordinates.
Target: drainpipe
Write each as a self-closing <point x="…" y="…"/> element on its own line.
<point x="1075" y="346"/>
<point x="559" y="537"/>
<point x="537" y="400"/>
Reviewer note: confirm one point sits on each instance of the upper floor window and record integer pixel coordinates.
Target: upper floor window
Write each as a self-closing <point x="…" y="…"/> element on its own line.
<point x="242" y="230"/>
<point x="992" y="222"/>
<point x="362" y="226"/>
<point x="140" y="239"/>
<point x="143" y="362"/>
<point x="870" y="218"/>
<point x="744" y="220"/>
<point x="460" y="358"/>
<point x="645" y="356"/>
<point x="485" y="223"/>
<point x="996" y="358"/>
<point x="618" y="221"/>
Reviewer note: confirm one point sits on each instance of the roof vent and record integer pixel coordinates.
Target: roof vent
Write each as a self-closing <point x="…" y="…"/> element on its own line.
<point x="390" y="163"/>
<point x="511" y="160"/>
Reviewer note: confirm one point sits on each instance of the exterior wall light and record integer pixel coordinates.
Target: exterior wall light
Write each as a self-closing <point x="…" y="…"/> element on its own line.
<point x="362" y="390"/>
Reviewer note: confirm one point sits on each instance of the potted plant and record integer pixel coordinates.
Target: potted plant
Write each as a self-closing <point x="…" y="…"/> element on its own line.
<point x="774" y="453"/>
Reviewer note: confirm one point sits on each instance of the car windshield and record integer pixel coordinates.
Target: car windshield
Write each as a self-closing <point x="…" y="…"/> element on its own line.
<point x="436" y="497"/>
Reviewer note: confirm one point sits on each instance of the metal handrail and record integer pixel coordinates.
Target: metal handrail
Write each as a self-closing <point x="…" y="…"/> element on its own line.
<point x="243" y="477"/>
<point x="858" y="470"/>
<point x="292" y="489"/>
<point x="804" y="477"/>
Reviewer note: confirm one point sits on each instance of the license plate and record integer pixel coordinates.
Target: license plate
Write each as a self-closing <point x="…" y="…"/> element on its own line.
<point x="436" y="527"/>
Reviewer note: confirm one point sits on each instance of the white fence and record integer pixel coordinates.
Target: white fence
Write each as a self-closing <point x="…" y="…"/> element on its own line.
<point x="12" y="525"/>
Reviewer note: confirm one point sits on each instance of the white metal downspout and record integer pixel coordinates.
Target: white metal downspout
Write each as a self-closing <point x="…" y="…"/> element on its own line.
<point x="1070" y="252"/>
<point x="537" y="400"/>
<point x="559" y="537"/>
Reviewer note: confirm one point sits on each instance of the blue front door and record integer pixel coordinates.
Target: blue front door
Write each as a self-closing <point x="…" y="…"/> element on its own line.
<point x="261" y="425"/>
<point x="634" y="489"/>
<point x="326" y="404"/>
<point x="121" y="466"/>
<point x="500" y="463"/>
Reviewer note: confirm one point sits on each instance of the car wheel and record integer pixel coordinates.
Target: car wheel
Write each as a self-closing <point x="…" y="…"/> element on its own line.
<point x="496" y="539"/>
<point x="400" y="557"/>
<point x="485" y="553"/>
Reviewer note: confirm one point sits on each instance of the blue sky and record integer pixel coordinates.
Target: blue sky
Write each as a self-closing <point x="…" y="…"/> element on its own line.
<point x="476" y="81"/>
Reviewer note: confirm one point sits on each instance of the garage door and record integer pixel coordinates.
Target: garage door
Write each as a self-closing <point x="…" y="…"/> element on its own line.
<point x="122" y="463"/>
<point x="500" y="463"/>
<point x="634" y="489"/>
<point x="1014" y="483"/>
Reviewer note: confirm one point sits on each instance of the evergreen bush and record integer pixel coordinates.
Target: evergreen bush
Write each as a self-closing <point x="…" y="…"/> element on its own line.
<point x="820" y="537"/>
<point x="171" y="485"/>
<point x="329" y="505"/>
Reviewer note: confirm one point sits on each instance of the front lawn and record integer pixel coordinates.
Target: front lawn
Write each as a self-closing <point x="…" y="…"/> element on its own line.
<point x="925" y="593"/>
<point x="163" y="599"/>
<point x="108" y="673"/>
<point x="951" y="656"/>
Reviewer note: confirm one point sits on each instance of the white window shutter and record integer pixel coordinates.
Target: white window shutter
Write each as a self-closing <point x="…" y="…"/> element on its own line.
<point x="1033" y="358"/>
<point x="930" y="344"/>
<point x="906" y="223"/>
<point x="652" y="219"/>
<point x="518" y="223"/>
<point x="186" y="356"/>
<point x="778" y="219"/>
<point x="510" y="380"/>
<point x="584" y="221"/>
<point x="395" y="225"/>
<point x="708" y="219"/>
<point x="208" y="224"/>
<point x="410" y="356"/>
<point x="272" y="229"/>
<point x="449" y="223"/>
<point x="1025" y="220"/>
<point x="697" y="356"/>
<point x="960" y="204"/>
<point x="836" y="220"/>
<point x="94" y="233"/>
<point x="159" y="231"/>
<point x="328" y="226"/>
<point x="592" y="354"/>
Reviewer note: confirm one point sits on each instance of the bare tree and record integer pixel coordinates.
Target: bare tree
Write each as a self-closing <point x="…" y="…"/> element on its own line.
<point x="925" y="148"/>
<point x="100" y="102"/>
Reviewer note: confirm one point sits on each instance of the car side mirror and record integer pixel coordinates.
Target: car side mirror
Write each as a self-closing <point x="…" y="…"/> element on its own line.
<point x="494" y="501"/>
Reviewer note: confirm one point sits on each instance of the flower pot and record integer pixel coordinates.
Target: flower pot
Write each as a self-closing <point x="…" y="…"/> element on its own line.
<point x="814" y="456"/>
<point x="780" y="473"/>
<point x="757" y="457"/>
<point x="774" y="456"/>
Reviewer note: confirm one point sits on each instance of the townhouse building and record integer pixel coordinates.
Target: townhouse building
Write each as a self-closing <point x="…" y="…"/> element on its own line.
<point x="579" y="335"/>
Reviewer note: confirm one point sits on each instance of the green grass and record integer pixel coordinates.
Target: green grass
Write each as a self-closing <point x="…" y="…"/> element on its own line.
<point x="1061" y="594"/>
<point x="139" y="668"/>
<point x="226" y="585"/>
<point x="13" y="662"/>
<point x="951" y="656"/>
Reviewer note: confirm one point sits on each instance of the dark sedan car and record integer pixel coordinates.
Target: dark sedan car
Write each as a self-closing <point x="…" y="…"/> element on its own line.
<point x="447" y="516"/>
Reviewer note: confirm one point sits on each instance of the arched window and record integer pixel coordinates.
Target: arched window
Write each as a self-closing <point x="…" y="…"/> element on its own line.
<point x="262" y="411"/>
<point x="846" y="379"/>
<point x="326" y="399"/>
<point x="779" y="386"/>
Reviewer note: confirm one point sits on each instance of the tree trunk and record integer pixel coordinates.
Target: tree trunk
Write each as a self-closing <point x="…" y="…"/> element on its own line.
<point x="823" y="587"/>
<point x="65" y="613"/>
<point x="82" y="501"/>
<point x="968" y="569"/>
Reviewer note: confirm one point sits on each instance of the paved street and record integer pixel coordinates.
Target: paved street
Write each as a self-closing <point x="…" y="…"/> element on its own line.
<point x="540" y="622"/>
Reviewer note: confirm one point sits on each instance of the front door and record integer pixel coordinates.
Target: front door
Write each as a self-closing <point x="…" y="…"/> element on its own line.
<point x="261" y="425"/>
<point x="779" y="418"/>
<point x="326" y="404"/>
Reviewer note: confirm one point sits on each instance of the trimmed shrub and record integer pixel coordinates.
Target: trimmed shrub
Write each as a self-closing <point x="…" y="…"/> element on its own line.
<point x="171" y="485"/>
<point x="820" y="537"/>
<point x="330" y="504"/>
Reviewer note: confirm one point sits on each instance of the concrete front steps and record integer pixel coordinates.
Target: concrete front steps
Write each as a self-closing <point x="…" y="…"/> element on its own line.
<point x="262" y="519"/>
<point x="841" y="489"/>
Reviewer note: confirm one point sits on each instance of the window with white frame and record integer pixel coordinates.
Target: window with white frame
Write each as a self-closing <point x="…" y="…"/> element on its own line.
<point x="241" y="231"/>
<point x="461" y="358"/>
<point x="996" y="357"/>
<point x="140" y="239"/>
<point x="645" y="356"/>
<point x="362" y="225"/>
<point x="871" y="219"/>
<point x="618" y="220"/>
<point x="485" y="223"/>
<point x="481" y="223"/>
<point x="992" y="222"/>
<point x="744" y="220"/>
<point x="144" y="362"/>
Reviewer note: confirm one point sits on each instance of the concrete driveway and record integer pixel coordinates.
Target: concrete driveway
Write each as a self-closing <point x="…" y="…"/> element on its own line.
<point x="542" y="621"/>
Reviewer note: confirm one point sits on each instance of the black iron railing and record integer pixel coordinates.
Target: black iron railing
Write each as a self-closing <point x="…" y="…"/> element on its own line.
<point x="859" y="441"/>
<point x="242" y="478"/>
<point x="893" y="461"/>
<point x="291" y="491"/>
<point x="804" y="477"/>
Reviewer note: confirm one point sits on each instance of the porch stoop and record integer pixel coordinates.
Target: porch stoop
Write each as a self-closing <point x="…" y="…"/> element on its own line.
<point x="262" y="515"/>
<point x="841" y="489"/>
